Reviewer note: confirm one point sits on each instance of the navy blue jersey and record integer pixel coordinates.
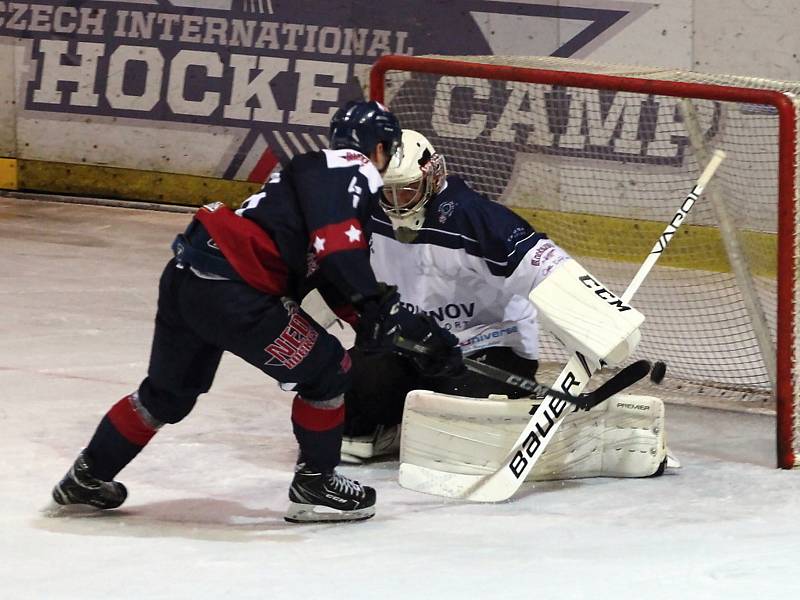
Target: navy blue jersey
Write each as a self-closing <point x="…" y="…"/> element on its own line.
<point x="313" y="217"/>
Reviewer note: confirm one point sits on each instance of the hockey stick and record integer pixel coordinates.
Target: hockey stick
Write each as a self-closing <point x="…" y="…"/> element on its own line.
<point x="620" y="381"/>
<point x="540" y="430"/>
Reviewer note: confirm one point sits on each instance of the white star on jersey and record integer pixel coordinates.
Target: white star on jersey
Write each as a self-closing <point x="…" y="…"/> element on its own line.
<point x="319" y="244"/>
<point x="353" y="234"/>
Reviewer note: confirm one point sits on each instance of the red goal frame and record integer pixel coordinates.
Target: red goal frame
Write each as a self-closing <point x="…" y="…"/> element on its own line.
<point x="787" y="176"/>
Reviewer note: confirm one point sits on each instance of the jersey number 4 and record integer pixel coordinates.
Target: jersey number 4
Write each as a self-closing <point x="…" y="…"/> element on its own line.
<point x="355" y="190"/>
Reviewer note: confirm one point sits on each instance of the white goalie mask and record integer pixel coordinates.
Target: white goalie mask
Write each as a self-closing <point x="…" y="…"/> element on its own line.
<point x="412" y="179"/>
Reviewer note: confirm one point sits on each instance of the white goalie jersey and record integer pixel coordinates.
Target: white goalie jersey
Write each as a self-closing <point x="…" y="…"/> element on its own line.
<point x="471" y="267"/>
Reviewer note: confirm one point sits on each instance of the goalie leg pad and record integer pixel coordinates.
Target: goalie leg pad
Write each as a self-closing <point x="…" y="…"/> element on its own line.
<point x="622" y="437"/>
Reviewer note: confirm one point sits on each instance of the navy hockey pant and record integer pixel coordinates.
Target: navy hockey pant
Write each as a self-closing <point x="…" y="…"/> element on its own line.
<point x="197" y="320"/>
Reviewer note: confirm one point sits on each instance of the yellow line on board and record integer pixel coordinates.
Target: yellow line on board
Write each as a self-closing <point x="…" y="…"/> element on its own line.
<point x="130" y="184"/>
<point x="8" y="174"/>
<point x="630" y="240"/>
<point x="610" y="238"/>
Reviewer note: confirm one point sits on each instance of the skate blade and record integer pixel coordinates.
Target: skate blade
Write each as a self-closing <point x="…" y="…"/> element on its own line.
<point x="55" y="510"/>
<point x="314" y="513"/>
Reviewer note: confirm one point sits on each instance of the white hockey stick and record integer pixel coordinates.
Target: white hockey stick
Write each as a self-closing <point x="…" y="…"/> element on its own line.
<point x="531" y="443"/>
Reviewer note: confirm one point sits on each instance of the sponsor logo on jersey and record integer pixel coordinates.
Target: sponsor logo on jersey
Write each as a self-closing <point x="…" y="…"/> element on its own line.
<point x="446" y="209"/>
<point x="543" y="254"/>
<point x="489" y="336"/>
<point x="293" y="344"/>
<point x="449" y="311"/>
<point x="516" y="234"/>
<point x="356" y="157"/>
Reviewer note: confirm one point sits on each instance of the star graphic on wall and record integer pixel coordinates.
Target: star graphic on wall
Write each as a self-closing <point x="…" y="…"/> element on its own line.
<point x="319" y="244"/>
<point x="353" y="234"/>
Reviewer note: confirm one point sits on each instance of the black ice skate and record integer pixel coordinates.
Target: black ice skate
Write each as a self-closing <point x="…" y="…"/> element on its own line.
<point x="80" y="487"/>
<point x="328" y="497"/>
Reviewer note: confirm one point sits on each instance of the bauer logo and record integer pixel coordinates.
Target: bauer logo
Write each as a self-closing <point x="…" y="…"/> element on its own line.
<point x="546" y="416"/>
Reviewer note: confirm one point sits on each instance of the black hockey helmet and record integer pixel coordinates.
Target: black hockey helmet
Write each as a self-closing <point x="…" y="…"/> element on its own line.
<point x="361" y="125"/>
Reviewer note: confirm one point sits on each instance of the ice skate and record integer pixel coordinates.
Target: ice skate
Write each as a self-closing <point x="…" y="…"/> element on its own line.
<point x="328" y="497"/>
<point x="80" y="488"/>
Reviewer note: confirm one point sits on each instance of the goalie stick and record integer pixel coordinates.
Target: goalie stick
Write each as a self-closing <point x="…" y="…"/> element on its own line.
<point x="540" y="430"/>
<point x="625" y="378"/>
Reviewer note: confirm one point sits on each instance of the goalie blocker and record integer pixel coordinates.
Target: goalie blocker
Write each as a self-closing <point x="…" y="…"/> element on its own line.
<point x="585" y="316"/>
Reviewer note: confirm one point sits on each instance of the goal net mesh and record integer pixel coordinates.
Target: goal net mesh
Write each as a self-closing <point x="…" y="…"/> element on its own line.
<point x="602" y="172"/>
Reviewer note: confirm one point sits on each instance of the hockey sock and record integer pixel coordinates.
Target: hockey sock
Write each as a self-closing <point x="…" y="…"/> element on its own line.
<point x="120" y="436"/>
<point x="318" y="427"/>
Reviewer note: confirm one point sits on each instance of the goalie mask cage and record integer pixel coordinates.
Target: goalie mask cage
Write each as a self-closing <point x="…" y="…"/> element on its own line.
<point x="600" y="157"/>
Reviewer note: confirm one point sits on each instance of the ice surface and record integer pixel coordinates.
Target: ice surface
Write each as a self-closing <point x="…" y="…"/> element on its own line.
<point x="204" y="516"/>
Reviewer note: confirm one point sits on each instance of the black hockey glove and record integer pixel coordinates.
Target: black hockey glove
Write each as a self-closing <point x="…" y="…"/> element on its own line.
<point x="383" y="319"/>
<point x="445" y="359"/>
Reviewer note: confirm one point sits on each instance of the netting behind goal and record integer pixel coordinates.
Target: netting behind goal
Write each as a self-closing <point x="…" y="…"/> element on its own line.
<point x="600" y="157"/>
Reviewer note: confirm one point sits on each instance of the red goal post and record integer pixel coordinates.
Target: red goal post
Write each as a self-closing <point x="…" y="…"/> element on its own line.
<point x="597" y="156"/>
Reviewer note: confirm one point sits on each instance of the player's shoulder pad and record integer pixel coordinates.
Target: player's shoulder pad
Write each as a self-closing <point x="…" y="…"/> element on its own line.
<point x="348" y="159"/>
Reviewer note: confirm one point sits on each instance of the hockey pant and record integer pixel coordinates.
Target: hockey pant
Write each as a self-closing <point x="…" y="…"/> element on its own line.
<point x="381" y="382"/>
<point x="197" y="320"/>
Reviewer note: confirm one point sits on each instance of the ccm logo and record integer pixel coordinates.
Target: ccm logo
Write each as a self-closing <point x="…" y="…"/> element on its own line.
<point x="603" y="293"/>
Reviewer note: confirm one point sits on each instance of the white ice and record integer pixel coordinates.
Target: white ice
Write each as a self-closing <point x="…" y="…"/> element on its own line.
<point x="204" y="515"/>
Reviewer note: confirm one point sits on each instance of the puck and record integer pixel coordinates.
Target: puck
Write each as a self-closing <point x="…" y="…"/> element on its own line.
<point x="658" y="371"/>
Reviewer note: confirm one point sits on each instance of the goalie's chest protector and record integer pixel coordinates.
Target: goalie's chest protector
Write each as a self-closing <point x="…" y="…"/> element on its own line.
<point x="467" y="283"/>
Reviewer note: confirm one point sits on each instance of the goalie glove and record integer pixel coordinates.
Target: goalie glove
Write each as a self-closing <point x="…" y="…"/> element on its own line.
<point x="383" y="319"/>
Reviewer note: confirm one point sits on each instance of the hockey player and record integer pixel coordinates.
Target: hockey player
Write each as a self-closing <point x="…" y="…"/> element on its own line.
<point x="461" y="258"/>
<point x="235" y="284"/>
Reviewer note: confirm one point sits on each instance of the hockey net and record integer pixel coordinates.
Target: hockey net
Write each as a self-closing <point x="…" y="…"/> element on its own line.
<point x="600" y="157"/>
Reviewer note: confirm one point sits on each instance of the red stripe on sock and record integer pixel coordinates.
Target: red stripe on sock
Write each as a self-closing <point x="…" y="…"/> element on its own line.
<point x="128" y="422"/>
<point x="309" y="416"/>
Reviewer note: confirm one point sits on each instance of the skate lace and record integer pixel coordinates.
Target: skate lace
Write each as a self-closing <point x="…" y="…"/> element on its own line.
<point x="344" y="485"/>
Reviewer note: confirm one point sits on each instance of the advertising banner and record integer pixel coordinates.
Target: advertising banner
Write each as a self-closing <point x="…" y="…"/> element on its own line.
<point x="111" y="92"/>
<point x="228" y="89"/>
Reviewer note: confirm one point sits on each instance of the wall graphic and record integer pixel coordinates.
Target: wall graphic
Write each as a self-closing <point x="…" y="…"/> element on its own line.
<point x="228" y="88"/>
